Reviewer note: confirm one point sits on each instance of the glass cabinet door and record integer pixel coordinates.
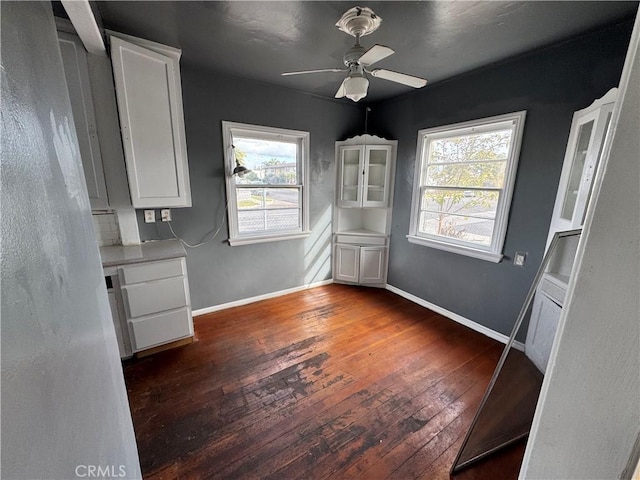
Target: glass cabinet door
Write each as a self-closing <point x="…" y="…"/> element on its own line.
<point x="578" y="164"/>
<point x="582" y="157"/>
<point x="350" y="177"/>
<point x="376" y="176"/>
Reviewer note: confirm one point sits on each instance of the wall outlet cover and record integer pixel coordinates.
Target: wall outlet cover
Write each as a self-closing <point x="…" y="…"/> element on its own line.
<point x="165" y="215"/>
<point x="519" y="258"/>
<point x="149" y="216"/>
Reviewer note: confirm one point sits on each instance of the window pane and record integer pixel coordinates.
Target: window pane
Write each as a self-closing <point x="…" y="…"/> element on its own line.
<point x="479" y="174"/>
<point x="256" y="221"/>
<point x="480" y="204"/>
<point x="467" y="148"/>
<point x="283" y="219"/>
<point x="268" y="209"/>
<point x="467" y="229"/>
<point x="261" y="198"/>
<point x="271" y="162"/>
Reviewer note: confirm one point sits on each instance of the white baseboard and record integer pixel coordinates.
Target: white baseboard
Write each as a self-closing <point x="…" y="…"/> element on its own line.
<point x="246" y="301"/>
<point x="456" y="318"/>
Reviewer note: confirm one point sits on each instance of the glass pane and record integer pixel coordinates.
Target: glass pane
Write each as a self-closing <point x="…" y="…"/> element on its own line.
<point x="283" y="219"/>
<point x="350" y="174"/>
<point x="477" y="174"/>
<point x="479" y="204"/>
<point x="270" y="161"/>
<point x="266" y="198"/>
<point x="595" y="168"/>
<point x="255" y="221"/>
<point x="251" y="221"/>
<point x="377" y="167"/>
<point x="473" y="147"/>
<point x="268" y="209"/>
<point x="577" y="166"/>
<point x="466" y="229"/>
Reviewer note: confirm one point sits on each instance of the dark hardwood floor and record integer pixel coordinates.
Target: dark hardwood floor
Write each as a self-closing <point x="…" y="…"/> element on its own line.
<point x="332" y="382"/>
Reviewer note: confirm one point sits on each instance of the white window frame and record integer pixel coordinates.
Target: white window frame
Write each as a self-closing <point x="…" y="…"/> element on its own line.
<point x="268" y="133"/>
<point x="492" y="252"/>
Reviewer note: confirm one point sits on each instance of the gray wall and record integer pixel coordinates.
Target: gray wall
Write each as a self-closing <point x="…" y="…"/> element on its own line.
<point x="550" y="84"/>
<point x="64" y="402"/>
<point x="219" y="273"/>
<point x="588" y="415"/>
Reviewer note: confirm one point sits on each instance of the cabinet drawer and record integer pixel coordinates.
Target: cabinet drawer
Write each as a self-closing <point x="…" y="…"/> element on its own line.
<point x="360" y="240"/>
<point x="162" y="328"/>
<point x="153" y="297"/>
<point x="144" y="272"/>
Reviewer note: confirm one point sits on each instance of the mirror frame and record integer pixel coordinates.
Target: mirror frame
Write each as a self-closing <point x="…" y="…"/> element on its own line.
<point x="457" y="467"/>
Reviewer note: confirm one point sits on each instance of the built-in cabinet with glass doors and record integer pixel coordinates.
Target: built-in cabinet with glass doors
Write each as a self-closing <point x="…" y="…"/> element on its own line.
<point x="582" y="158"/>
<point x="362" y="215"/>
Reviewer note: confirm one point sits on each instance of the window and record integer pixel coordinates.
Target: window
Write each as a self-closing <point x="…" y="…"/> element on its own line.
<point x="463" y="185"/>
<point x="269" y="202"/>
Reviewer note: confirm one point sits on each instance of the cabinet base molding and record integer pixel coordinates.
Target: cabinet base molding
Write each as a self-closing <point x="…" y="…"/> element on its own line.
<point x="456" y="318"/>
<point x="167" y="346"/>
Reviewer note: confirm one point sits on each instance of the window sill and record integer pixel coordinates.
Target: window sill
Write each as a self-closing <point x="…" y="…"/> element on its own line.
<point x="234" y="242"/>
<point x="469" y="252"/>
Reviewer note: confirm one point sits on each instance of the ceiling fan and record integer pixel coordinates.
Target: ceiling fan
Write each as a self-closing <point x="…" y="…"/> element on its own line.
<point x="358" y="22"/>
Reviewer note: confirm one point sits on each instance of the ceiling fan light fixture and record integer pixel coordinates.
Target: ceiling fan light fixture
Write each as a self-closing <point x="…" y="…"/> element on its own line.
<point x="356" y="88"/>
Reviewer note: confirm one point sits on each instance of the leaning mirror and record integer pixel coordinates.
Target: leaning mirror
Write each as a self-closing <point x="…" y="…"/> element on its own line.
<point x="506" y="411"/>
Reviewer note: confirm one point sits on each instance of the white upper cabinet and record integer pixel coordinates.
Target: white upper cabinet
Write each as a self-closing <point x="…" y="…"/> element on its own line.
<point x="74" y="60"/>
<point x="149" y="94"/>
<point x="586" y="139"/>
<point x="364" y="176"/>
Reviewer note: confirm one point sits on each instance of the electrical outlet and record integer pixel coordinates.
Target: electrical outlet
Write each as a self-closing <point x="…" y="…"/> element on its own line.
<point x="519" y="259"/>
<point x="149" y="216"/>
<point x="165" y="215"/>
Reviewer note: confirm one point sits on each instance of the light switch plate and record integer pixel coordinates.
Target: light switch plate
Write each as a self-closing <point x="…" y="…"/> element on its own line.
<point x="149" y="216"/>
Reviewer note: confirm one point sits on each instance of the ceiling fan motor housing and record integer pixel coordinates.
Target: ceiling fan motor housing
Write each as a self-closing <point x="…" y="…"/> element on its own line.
<point x="353" y="54"/>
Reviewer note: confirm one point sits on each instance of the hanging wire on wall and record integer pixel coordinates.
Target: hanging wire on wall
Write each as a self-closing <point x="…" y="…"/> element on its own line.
<point x="213" y="232"/>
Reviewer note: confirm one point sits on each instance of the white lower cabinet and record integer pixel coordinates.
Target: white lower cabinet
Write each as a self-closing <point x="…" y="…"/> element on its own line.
<point x="360" y="264"/>
<point x="543" y="324"/>
<point x="156" y="302"/>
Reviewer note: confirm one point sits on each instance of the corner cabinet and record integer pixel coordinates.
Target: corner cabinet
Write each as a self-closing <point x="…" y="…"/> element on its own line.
<point x="582" y="157"/>
<point x="362" y="214"/>
<point x="149" y="95"/>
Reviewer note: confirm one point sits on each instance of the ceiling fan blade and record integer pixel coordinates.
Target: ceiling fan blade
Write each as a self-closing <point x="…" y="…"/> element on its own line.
<point x="334" y="70"/>
<point x="342" y="91"/>
<point x="403" y="78"/>
<point x="374" y="54"/>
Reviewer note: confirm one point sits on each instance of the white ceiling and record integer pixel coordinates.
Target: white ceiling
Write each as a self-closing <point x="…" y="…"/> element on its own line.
<point x="433" y="39"/>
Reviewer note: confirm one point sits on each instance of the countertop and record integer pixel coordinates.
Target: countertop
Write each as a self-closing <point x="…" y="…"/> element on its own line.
<point x="145" y="252"/>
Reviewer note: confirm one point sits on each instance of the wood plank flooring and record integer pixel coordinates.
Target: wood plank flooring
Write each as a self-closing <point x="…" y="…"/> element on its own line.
<point x="333" y="382"/>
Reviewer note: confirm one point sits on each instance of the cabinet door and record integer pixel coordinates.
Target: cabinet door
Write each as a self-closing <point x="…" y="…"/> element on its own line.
<point x="584" y="148"/>
<point x="373" y="264"/>
<point x="545" y="315"/>
<point x="347" y="263"/>
<point x="350" y="176"/>
<point x="76" y="73"/>
<point x="152" y="123"/>
<point x="377" y="168"/>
